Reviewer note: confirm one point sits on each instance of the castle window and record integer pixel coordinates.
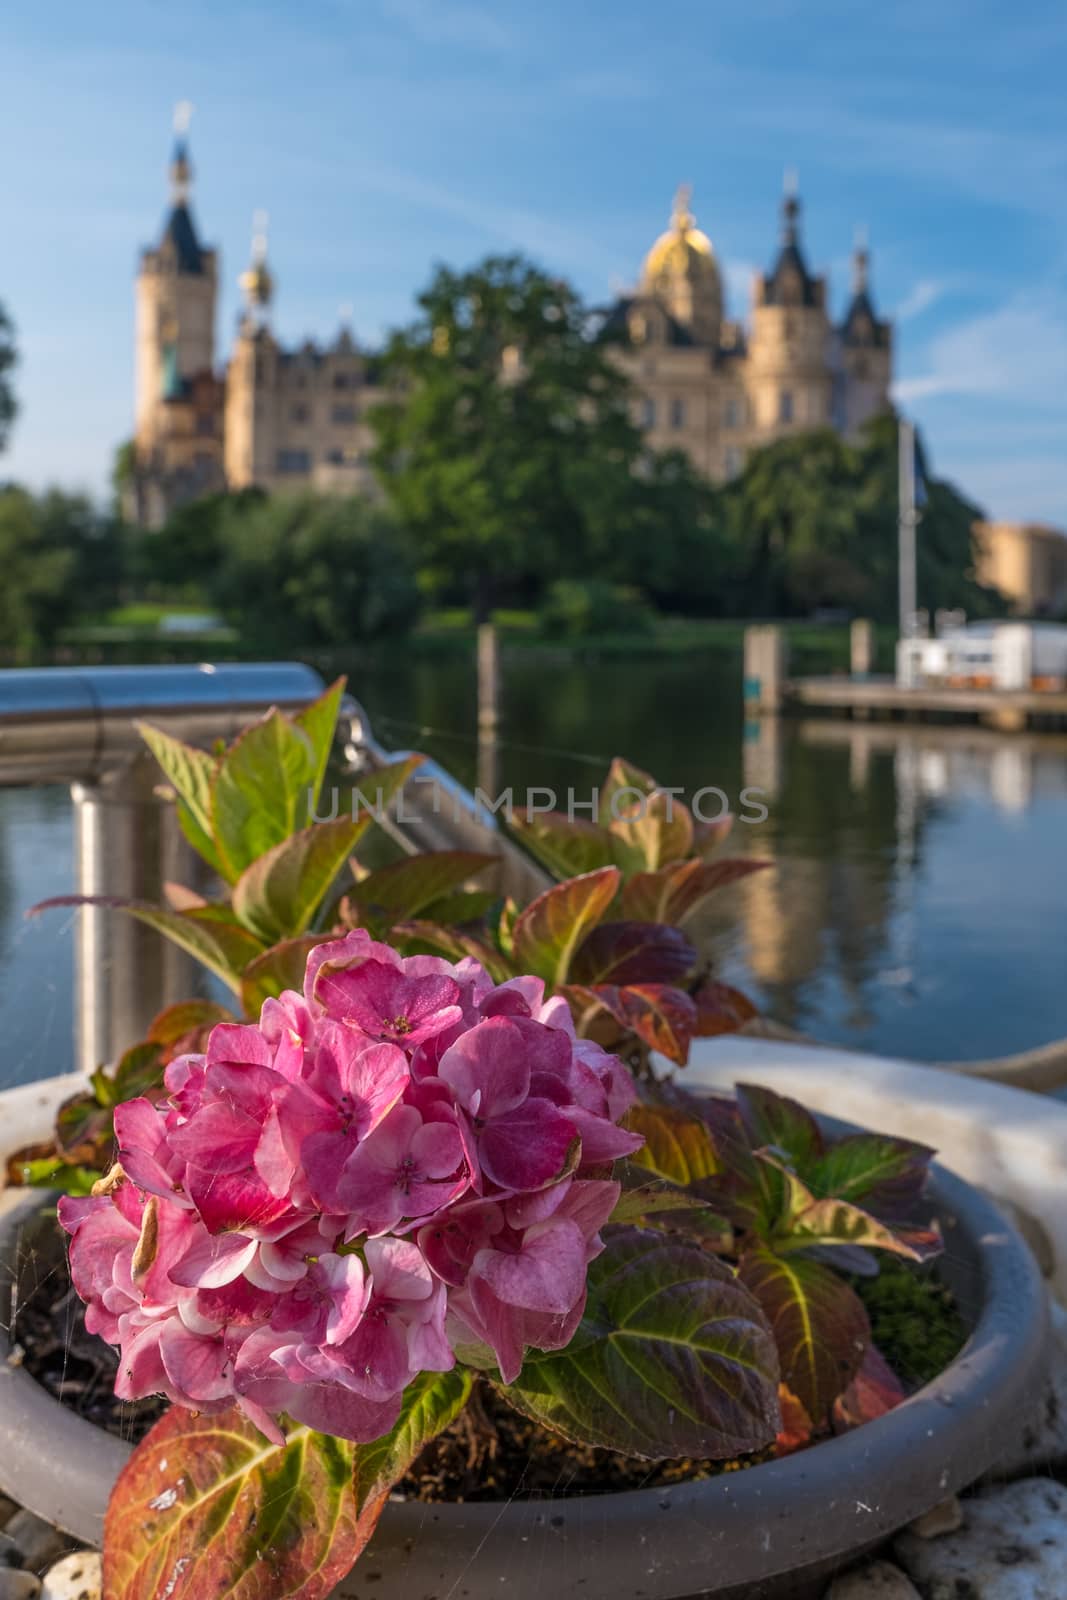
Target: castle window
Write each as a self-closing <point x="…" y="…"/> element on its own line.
<point x="732" y="414"/>
<point x="785" y="406"/>
<point x="293" y="461"/>
<point x="205" y="423"/>
<point x="299" y="413"/>
<point x="648" y="413"/>
<point x="677" y="413"/>
<point x="342" y="380"/>
<point x="734" y="461"/>
<point x="343" y="414"/>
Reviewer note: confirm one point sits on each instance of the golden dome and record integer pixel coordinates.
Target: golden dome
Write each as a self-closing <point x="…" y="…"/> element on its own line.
<point x="683" y="250"/>
<point x="257" y="285"/>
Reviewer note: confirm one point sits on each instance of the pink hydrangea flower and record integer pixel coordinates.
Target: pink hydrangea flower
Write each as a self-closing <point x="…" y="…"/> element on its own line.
<point x="404" y="1161"/>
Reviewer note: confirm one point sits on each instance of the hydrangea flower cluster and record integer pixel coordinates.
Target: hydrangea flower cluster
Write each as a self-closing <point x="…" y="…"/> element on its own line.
<point x="402" y="1163"/>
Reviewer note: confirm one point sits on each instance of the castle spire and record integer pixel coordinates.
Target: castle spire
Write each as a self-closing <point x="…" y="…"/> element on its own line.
<point x="861" y="260"/>
<point x="181" y="167"/>
<point x="682" y="218"/>
<point x="790" y="207"/>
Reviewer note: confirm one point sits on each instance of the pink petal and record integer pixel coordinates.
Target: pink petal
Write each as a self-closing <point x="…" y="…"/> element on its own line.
<point x="548" y="1274"/>
<point x="526" y="1148"/>
<point x="488" y="1062"/>
<point x="213" y="1260"/>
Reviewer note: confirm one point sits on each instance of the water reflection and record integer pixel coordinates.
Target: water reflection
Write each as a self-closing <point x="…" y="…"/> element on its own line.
<point x="916" y="904"/>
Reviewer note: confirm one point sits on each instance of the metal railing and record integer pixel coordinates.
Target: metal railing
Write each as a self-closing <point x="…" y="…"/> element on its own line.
<point x="78" y="726"/>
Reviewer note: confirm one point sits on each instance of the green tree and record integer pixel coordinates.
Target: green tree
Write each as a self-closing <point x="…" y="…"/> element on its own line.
<point x="508" y="449"/>
<point x="60" y="561"/>
<point x="8" y="362"/>
<point x="300" y="572"/>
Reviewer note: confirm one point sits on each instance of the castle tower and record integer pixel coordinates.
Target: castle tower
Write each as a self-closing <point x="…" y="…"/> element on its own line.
<point x="176" y="290"/>
<point x="681" y="272"/>
<point x="865" y="353"/>
<point x="178" y="427"/>
<point x="789" y="374"/>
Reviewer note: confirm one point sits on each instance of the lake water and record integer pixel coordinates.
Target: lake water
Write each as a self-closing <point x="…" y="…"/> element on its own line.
<point x="916" y="905"/>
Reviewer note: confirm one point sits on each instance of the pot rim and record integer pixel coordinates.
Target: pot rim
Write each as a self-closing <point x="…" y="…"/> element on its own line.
<point x="815" y="1507"/>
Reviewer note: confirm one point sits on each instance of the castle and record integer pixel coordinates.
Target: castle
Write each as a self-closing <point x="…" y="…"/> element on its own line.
<point x="281" y="418"/>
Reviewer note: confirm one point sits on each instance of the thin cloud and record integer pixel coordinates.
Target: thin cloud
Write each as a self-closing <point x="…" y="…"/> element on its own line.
<point x="444" y="22"/>
<point x="920" y="298"/>
<point x="1017" y="352"/>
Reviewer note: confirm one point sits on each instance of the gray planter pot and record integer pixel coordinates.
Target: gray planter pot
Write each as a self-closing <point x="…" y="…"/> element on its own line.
<point x="771" y="1532"/>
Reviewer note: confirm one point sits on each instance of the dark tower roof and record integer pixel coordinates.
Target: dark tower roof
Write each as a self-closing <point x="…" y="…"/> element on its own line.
<point x="790" y="271"/>
<point x="861" y="325"/>
<point x="179" y="230"/>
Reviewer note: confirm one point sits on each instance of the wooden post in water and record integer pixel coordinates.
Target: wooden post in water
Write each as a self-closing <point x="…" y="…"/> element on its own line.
<point x="861" y="647"/>
<point x="488" y="706"/>
<point x="765" y="669"/>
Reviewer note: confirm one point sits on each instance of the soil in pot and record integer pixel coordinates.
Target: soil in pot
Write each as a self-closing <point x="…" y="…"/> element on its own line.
<point x="491" y="1453"/>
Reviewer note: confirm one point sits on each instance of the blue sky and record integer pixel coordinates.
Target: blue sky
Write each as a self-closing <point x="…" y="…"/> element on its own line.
<point x="384" y="135"/>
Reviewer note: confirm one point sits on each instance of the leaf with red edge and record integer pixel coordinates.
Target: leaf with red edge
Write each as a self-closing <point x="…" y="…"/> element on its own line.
<point x="281" y="967"/>
<point x="710" y="836"/>
<point x="553" y="926"/>
<point x="874" y="1390"/>
<point x="662" y="1016"/>
<point x="277" y="896"/>
<point x="651" y="832"/>
<point x="207" y="1506"/>
<point x="431" y="1403"/>
<point x="831" y="1222"/>
<point x="567" y="846"/>
<point x="676" y="892"/>
<point x="721" y="1009"/>
<point x="819" y="1323"/>
<point x="622" y="775"/>
<point x="632" y="952"/>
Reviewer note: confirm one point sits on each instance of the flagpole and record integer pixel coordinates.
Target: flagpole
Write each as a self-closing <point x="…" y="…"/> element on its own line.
<point x="908" y="601"/>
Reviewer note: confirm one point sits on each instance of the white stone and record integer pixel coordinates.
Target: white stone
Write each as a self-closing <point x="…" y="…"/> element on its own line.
<point x="76" y="1577"/>
<point x="1045" y="1442"/>
<point x="16" y="1585"/>
<point x="1012" y="1546"/>
<point x="878" y="1580"/>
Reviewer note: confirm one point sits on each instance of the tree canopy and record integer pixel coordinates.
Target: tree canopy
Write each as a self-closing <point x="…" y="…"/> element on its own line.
<point x="8" y="363"/>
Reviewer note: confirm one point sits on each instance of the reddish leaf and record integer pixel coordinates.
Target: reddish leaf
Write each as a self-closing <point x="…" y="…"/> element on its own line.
<point x="622" y="775"/>
<point x="819" y="1325"/>
<point x="796" y="1430"/>
<point x="553" y="926"/>
<point x="662" y="1017"/>
<point x="632" y="952"/>
<point x="721" y="1009"/>
<point x="709" y="836"/>
<point x="874" y="1390"/>
<point x="206" y="1506"/>
<point x="677" y="891"/>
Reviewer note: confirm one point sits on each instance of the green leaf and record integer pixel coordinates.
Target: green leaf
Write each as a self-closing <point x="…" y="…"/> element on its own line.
<point x="224" y="948"/>
<point x="678" y="891"/>
<point x="139" y="1072"/>
<point x="205" y="1505"/>
<point x="654" y="831"/>
<point x="632" y="952"/>
<point x="463" y="908"/>
<point x="552" y="927"/>
<point x="192" y="773"/>
<point x="781" y="1124"/>
<point x="261" y="794"/>
<point x="319" y="722"/>
<point x="52" y="1172"/>
<point x="176" y="1022"/>
<point x="887" y="1174"/>
<point x="677" y="1147"/>
<point x="673" y="1358"/>
<point x="279" y="894"/>
<point x="405" y="888"/>
<point x="819" y="1323"/>
<point x="826" y="1223"/>
<point x="281" y="967"/>
<point x="83" y="1127"/>
<point x="431" y="1404"/>
<point x="567" y="846"/>
<point x="622" y="775"/>
<point x="644" y="1195"/>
